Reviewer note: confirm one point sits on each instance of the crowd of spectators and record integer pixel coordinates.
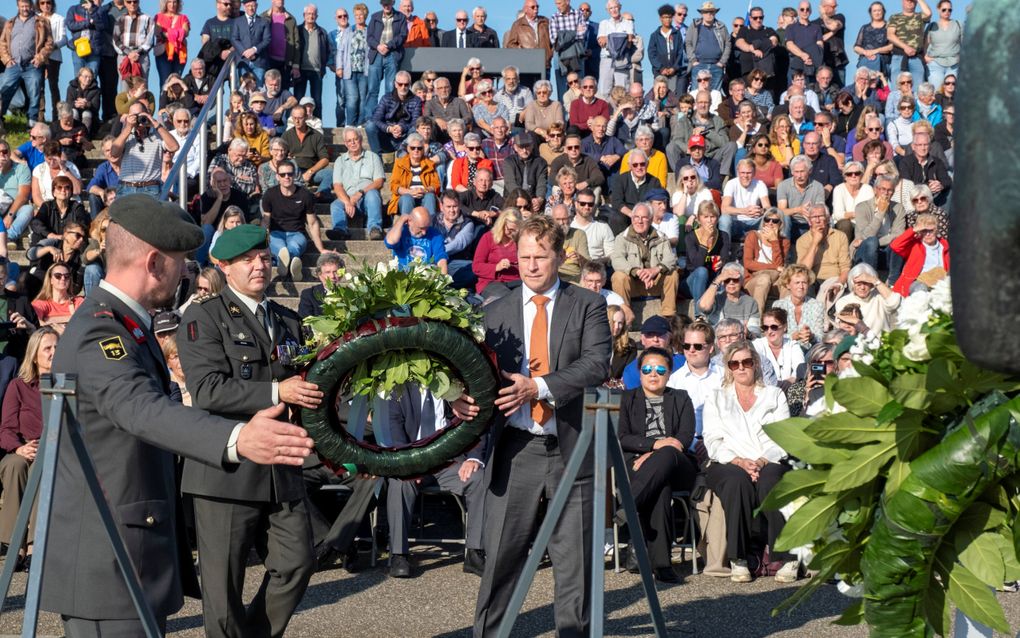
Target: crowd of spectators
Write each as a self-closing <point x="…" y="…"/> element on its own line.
<point x="769" y="205"/>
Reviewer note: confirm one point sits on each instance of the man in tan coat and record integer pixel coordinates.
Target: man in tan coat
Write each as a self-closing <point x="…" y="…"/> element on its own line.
<point x="25" y="45"/>
<point x="530" y="31"/>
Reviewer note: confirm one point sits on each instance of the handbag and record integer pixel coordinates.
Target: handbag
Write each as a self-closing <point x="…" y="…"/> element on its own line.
<point x="83" y="47"/>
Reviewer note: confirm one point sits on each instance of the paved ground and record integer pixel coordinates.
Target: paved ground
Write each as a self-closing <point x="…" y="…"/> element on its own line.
<point x="440" y="602"/>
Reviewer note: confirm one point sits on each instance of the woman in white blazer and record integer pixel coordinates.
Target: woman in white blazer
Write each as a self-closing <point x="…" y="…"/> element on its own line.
<point x="745" y="464"/>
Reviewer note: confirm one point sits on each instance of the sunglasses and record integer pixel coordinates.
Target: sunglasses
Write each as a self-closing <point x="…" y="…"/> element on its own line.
<point x="689" y="178"/>
<point x="697" y="347"/>
<point x="61" y="275"/>
<point x="572" y="147"/>
<point x="585" y="204"/>
<point x="287" y="174"/>
<point x="771" y="220"/>
<point x="757" y="17"/>
<point x="555" y="135"/>
<point x="658" y="370"/>
<point x="461" y="19"/>
<point x="474" y="148"/>
<point x="906" y="82"/>
<point x="402" y="84"/>
<point x="704" y="79"/>
<point x="917" y="200"/>
<point x="414" y="148"/>
<point x="342" y="16"/>
<point x="874" y="129"/>
<point x="853" y="173"/>
<point x="639" y="163"/>
<point x="731" y="280"/>
<point x="771" y="327"/>
<point x="741" y="364"/>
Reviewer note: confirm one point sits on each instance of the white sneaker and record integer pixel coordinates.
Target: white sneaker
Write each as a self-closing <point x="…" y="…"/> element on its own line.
<point x="283" y="263"/>
<point x="789" y="572"/>
<point x="295" y="269"/>
<point x="739" y="573"/>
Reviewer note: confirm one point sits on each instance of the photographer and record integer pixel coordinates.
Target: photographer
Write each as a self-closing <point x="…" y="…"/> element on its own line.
<point x="807" y="396"/>
<point x="140" y="144"/>
<point x="17" y="319"/>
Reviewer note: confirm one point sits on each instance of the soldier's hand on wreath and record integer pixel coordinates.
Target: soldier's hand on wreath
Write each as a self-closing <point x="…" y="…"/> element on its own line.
<point x="297" y="391"/>
<point x="266" y="441"/>
<point x="464" y="408"/>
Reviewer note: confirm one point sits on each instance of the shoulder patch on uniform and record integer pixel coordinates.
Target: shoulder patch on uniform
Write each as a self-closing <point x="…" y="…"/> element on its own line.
<point x="234" y="309"/>
<point x="113" y="348"/>
<point x="192" y="331"/>
<point x="201" y="299"/>
<point x="104" y="312"/>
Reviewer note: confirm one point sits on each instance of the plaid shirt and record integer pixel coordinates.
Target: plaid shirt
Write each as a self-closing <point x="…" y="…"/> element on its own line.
<point x="569" y="21"/>
<point x="516" y="102"/>
<point x="133" y="34"/>
<point x="497" y="154"/>
<point x="244" y="176"/>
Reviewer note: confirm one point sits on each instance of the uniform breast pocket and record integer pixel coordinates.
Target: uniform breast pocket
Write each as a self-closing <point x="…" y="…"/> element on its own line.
<point x="244" y="357"/>
<point x="149" y="535"/>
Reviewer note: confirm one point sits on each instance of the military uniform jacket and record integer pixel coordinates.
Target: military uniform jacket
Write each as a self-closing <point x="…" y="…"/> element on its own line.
<point x="230" y="364"/>
<point x="132" y="428"/>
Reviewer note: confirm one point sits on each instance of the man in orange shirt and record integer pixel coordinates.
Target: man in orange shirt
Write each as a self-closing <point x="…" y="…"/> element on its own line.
<point x="417" y="30"/>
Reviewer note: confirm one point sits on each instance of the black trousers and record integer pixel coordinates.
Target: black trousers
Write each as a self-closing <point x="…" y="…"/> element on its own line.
<point x="52" y="69"/>
<point x="108" y="80"/>
<point x="739" y="497"/>
<point x="666" y="470"/>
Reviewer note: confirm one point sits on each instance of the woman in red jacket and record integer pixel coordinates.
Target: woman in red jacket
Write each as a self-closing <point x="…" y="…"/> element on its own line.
<point x="462" y="173"/>
<point x="495" y="262"/>
<point x="20" y="429"/>
<point x="926" y="256"/>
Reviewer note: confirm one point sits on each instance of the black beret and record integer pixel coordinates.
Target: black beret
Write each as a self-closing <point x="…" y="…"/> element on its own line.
<point x="160" y="224"/>
<point x="239" y="240"/>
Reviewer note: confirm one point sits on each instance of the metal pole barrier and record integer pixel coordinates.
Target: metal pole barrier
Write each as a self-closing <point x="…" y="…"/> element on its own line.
<point x="182" y="182"/>
<point x="598" y="512"/>
<point x="219" y="115"/>
<point x="203" y="149"/>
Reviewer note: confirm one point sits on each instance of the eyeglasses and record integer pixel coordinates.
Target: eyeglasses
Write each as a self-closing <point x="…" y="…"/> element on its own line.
<point x="402" y="84"/>
<point x="414" y="148"/>
<point x="639" y="163"/>
<point x="287" y="174"/>
<point x="874" y="129"/>
<point x="918" y="200"/>
<point x="804" y="9"/>
<point x="62" y="188"/>
<point x="554" y="135"/>
<point x="943" y="9"/>
<point x="689" y="178"/>
<point x="5" y="151"/>
<point x="704" y="79"/>
<point x="906" y="107"/>
<point x="584" y="204"/>
<point x="461" y="19"/>
<point x="697" y="347"/>
<point x="588" y="87"/>
<point x="60" y="275"/>
<point x="474" y="148"/>
<point x="341" y="16"/>
<point x="731" y="280"/>
<point x="953" y="83"/>
<point x="757" y="17"/>
<point x="658" y="370"/>
<point x="486" y="92"/>
<point x="771" y="327"/>
<point x="905" y="82"/>
<point x="741" y="364"/>
<point x="573" y="147"/>
<point x="771" y="220"/>
<point x="853" y="173"/>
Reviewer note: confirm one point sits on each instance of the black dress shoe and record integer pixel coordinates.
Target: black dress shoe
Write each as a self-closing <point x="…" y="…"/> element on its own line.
<point x="666" y="575"/>
<point x="350" y="560"/>
<point x="474" y="562"/>
<point x="325" y="557"/>
<point x="630" y="561"/>
<point x="400" y="566"/>
<point x="336" y="234"/>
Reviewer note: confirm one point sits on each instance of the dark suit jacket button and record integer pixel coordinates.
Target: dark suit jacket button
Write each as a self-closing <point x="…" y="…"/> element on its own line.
<point x="150" y="520"/>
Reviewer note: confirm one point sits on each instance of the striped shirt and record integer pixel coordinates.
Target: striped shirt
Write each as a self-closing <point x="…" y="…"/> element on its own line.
<point x="142" y="160"/>
<point x="133" y="33"/>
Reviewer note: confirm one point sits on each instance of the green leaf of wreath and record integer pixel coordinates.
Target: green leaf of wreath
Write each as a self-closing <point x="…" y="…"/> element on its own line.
<point x="862" y="396"/>
<point x="976" y="599"/>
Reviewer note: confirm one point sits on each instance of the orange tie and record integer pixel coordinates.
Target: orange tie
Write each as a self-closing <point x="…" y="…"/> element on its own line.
<point x="538" y="364"/>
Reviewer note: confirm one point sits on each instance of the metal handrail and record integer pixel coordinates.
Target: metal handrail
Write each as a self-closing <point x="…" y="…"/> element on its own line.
<point x="200" y="131"/>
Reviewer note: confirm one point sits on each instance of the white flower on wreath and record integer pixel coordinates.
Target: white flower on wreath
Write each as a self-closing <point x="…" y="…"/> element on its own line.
<point x="917" y="348"/>
<point x="941" y="299"/>
<point x="914" y="312"/>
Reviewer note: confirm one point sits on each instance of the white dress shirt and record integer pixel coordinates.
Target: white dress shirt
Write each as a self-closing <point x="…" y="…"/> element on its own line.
<point x="522" y="417"/>
<point x="730" y="432"/>
<point x="698" y="387"/>
<point x="791" y="356"/>
<point x="440" y="405"/>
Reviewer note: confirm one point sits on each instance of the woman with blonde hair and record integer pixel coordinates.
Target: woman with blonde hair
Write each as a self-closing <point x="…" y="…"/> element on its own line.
<point x="495" y="261"/>
<point x="249" y="130"/>
<point x="765" y="253"/>
<point x="804" y="315"/>
<point x="690" y="194"/>
<point x="21" y="427"/>
<point x="56" y="302"/>
<point x="624" y="348"/>
<point x="785" y="145"/>
<point x="745" y="463"/>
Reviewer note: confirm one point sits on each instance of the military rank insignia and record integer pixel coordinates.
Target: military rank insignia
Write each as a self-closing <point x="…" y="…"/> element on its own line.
<point x="113" y="348"/>
<point x="234" y="310"/>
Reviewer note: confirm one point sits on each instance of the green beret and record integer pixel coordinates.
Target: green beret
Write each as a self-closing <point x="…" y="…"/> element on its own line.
<point x="844" y="346"/>
<point x="239" y="240"/>
<point x="160" y="224"/>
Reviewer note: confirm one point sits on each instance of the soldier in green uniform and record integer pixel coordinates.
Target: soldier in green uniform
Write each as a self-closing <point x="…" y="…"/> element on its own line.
<point x="233" y="351"/>
<point x="133" y="429"/>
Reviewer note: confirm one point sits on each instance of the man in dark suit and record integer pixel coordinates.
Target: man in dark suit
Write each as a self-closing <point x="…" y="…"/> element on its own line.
<point x="133" y="429"/>
<point x="234" y="354"/>
<point x="415" y="416"/>
<point x="250" y="38"/>
<point x="551" y="341"/>
<point x="459" y="36"/>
